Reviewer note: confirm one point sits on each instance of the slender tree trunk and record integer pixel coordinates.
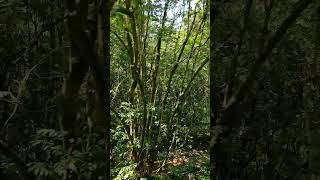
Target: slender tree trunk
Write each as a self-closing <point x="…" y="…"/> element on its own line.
<point x="99" y="63"/>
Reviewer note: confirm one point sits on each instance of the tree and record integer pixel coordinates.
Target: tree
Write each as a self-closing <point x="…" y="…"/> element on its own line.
<point x="235" y="131"/>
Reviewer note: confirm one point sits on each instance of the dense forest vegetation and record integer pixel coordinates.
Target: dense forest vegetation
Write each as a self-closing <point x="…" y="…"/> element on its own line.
<point x="54" y="93"/>
<point x="150" y="89"/>
<point x="265" y="89"/>
<point x="160" y="88"/>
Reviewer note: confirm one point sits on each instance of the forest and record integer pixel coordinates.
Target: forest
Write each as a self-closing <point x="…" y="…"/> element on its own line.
<point x="159" y="89"/>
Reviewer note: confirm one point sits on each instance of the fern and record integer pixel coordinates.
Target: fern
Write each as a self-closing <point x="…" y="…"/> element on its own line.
<point x="40" y="169"/>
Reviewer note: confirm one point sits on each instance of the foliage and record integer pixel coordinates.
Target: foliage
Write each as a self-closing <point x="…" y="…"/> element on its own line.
<point x="54" y="97"/>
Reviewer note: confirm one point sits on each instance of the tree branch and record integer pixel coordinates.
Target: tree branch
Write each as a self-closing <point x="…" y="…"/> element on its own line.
<point x="279" y="34"/>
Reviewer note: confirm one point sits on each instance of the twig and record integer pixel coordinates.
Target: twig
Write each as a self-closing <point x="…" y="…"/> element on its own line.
<point x="22" y="85"/>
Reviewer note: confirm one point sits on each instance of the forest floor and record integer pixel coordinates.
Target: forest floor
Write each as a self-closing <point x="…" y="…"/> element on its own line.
<point x="186" y="165"/>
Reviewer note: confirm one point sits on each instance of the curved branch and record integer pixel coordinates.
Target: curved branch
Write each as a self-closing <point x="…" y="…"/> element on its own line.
<point x="121" y="40"/>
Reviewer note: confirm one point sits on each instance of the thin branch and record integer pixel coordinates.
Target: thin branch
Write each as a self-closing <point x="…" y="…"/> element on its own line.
<point x="22" y="85"/>
<point x="279" y="34"/>
<point x="120" y="39"/>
